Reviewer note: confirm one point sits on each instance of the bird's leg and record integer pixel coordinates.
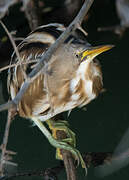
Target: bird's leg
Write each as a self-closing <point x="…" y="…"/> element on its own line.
<point x="59" y="144"/>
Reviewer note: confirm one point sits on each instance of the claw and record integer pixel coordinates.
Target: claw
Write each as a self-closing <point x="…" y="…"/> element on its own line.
<point x="68" y="140"/>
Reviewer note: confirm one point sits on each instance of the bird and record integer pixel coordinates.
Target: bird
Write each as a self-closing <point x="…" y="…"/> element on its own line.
<point x="73" y="79"/>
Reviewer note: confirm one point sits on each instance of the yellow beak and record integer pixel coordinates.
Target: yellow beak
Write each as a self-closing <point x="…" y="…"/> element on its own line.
<point x="92" y="52"/>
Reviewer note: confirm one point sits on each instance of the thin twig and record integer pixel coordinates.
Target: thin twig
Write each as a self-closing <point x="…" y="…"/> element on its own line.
<point x="11" y="39"/>
<point x="5" y="5"/>
<point x="32" y="13"/>
<point x="49" y="173"/>
<point x="5" y="141"/>
<point x="13" y="65"/>
<point x="14" y="46"/>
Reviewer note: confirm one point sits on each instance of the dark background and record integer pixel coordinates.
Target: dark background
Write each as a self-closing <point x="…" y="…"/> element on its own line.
<point x="102" y="125"/>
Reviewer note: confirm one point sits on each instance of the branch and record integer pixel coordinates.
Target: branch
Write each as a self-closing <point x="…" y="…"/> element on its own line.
<point x="67" y="157"/>
<point x="32" y="13"/>
<point x="102" y="161"/>
<point x="11" y="113"/>
<point x="4" y="6"/>
<point x="11" y="39"/>
<point x="69" y="165"/>
<point x="16" y="64"/>
<point x="91" y="159"/>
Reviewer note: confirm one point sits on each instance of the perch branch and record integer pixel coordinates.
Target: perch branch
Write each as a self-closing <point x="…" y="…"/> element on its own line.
<point x="69" y="165"/>
<point x="67" y="157"/>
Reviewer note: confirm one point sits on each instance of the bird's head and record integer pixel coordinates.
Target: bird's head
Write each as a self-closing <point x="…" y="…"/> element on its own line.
<point x="72" y="55"/>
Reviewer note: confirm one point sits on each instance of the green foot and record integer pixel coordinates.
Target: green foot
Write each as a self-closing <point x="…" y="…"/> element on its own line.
<point x="62" y="126"/>
<point x="66" y="144"/>
<point x="68" y="147"/>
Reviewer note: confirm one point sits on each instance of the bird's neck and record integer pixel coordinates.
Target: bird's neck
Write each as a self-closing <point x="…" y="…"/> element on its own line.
<point x="90" y="74"/>
<point x="85" y="71"/>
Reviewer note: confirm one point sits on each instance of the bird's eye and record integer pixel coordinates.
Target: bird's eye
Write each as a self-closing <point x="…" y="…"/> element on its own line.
<point x="77" y="55"/>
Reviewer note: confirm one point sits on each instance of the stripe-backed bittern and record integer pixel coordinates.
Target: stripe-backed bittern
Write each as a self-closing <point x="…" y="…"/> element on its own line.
<point x="73" y="79"/>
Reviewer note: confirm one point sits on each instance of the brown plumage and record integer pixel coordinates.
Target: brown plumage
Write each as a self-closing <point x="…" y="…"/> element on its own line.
<point x="72" y="80"/>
